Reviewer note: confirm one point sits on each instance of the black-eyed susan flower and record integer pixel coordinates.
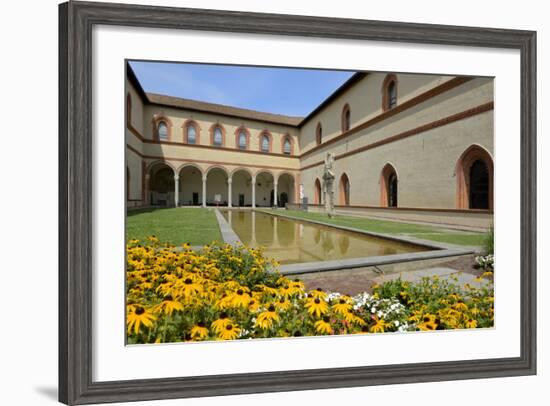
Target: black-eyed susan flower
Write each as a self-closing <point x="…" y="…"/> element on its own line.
<point x="221" y="322"/>
<point x="342" y="307"/>
<point x="317" y="293"/>
<point x="168" y="306"/>
<point x="266" y="319"/>
<point x="316" y="306"/>
<point x="229" y="332"/>
<point x="470" y="323"/>
<point x="240" y="298"/>
<point x="139" y="316"/>
<point x="199" y="331"/>
<point x="379" y="326"/>
<point x="323" y="326"/>
<point x="283" y="304"/>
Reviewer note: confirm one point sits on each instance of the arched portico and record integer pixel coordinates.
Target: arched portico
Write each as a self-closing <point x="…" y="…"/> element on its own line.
<point x="265" y="186"/>
<point x="286" y="189"/>
<point x="218" y="187"/>
<point x="190" y="185"/>
<point x="161" y="185"/>
<point x="241" y="187"/>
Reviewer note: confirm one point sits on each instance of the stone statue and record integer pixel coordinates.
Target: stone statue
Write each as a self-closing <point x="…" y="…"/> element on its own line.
<point x="328" y="184"/>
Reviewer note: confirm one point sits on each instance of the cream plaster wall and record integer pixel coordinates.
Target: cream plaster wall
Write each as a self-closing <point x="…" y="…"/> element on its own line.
<point x="365" y="101"/>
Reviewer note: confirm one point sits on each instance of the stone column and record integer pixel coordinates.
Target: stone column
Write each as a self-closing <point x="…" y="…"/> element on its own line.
<point x="275" y="194"/>
<point x="204" y="191"/>
<point x="176" y="190"/>
<point x="253" y="192"/>
<point x="229" y="192"/>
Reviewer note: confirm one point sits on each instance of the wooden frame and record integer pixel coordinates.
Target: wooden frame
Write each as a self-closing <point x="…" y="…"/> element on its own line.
<point x="76" y="20"/>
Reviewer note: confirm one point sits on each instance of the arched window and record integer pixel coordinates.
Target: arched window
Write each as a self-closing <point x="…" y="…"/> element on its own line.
<point x="243" y="140"/>
<point x="346" y="118"/>
<point x="217" y="137"/>
<point x="287" y="146"/>
<point x="389" y="92"/>
<point x="319" y="134"/>
<point x="392" y="95"/>
<point x="191" y="135"/>
<point x="317" y="196"/>
<point x="388" y="186"/>
<point x="162" y="131"/>
<point x="265" y="143"/>
<point x="474" y="175"/>
<point x="344" y="190"/>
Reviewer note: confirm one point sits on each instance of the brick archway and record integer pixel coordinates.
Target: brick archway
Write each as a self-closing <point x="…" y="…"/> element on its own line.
<point x="464" y="165"/>
<point x="388" y="186"/>
<point x="317" y="192"/>
<point x="344" y="190"/>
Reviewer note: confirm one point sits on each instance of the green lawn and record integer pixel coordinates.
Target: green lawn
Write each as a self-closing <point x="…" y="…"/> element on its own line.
<point x="396" y="228"/>
<point x="196" y="226"/>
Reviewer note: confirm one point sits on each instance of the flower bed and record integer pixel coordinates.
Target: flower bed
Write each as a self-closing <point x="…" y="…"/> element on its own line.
<point x="224" y="292"/>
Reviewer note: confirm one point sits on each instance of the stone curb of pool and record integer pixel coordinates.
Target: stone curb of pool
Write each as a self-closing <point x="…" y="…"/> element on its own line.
<point x="441" y="250"/>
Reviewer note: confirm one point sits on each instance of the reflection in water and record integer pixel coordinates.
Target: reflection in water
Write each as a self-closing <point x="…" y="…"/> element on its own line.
<point x="343" y="242"/>
<point x="290" y="241"/>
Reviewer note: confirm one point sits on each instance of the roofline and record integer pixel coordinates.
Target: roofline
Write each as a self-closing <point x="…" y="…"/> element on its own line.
<point x="345" y="86"/>
<point x="130" y="74"/>
<point x="356" y="77"/>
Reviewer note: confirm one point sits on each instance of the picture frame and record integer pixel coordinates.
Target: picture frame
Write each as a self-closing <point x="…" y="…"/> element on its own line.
<point x="76" y="20"/>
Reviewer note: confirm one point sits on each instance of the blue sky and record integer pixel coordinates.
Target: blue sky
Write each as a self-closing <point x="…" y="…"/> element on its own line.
<point x="294" y="92"/>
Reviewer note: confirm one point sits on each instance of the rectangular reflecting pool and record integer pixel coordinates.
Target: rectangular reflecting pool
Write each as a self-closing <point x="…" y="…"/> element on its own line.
<point x="291" y="241"/>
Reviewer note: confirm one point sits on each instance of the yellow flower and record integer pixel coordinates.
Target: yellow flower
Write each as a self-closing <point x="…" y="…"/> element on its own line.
<point x="316" y="306"/>
<point x="240" y="298"/>
<point x="199" y="332"/>
<point x="323" y="326"/>
<point x="342" y="307"/>
<point x="266" y="319"/>
<point x="219" y="324"/>
<point x="460" y="306"/>
<point x="471" y="323"/>
<point x="168" y="305"/>
<point x="189" y="288"/>
<point x="283" y="304"/>
<point x="317" y="294"/>
<point x="378" y="326"/>
<point x="230" y="332"/>
<point x="138" y="317"/>
<point x="428" y="323"/>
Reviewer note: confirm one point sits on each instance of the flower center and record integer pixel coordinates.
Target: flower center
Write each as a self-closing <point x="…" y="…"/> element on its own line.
<point x="229" y="327"/>
<point x="188" y="281"/>
<point x="139" y="310"/>
<point x="317" y="301"/>
<point x="271" y="308"/>
<point x="342" y="301"/>
<point x="223" y="315"/>
<point x="326" y="319"/>
<point x="201" y="324"/>
<point x="240" y="292"/>
<point x="168" y="298"/>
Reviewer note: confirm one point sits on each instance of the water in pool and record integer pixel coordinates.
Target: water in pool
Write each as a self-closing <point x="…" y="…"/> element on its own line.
<point x="290" y="241"/>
